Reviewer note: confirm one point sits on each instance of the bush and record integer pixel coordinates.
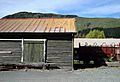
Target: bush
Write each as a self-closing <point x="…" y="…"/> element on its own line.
<point x="95" y="34"/>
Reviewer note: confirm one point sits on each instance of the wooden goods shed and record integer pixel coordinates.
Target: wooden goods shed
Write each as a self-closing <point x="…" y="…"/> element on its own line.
<point x="29" y="40"/>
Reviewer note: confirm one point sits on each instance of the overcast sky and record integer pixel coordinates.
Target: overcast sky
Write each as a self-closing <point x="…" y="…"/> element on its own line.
<point x="84" y="8"/>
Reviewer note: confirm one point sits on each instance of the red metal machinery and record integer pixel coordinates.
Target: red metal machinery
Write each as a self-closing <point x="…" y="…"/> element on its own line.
<point x="112" y="50"/>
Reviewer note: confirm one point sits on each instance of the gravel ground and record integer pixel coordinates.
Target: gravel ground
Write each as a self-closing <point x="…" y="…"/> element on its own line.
<point x="102" y="74"/>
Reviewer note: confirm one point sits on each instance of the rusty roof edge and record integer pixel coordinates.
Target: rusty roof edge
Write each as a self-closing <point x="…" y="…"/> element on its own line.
<point x="33" y="18"/>
<point x="38" y="32"/>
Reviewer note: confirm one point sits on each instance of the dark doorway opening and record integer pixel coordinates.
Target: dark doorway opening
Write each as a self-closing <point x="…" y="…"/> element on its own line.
<point x="89" y="57"/>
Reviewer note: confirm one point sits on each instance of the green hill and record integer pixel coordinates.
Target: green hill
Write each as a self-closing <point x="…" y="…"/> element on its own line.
<point x="38" y="15"/>
<point x="83" y="23"/>
<point x="110" y="26"/>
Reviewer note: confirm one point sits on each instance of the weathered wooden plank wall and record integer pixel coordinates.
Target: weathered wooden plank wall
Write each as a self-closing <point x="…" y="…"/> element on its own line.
<point x="58" y="47"/>
<point x="60" y="52"/>
<point x="10" y="51"/>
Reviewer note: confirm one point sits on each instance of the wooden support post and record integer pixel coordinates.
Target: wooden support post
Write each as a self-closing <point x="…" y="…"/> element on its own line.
<point x="22" y="50"/>
<point x="44" y="51"/>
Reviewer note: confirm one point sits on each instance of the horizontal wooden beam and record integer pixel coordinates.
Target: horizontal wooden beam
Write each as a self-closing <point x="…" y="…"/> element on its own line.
<point x="23" y="39"/>
<point x="5" y="52"/>
<point x="10" y="56"/>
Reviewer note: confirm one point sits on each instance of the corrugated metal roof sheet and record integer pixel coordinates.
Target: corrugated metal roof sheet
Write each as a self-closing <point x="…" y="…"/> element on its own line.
<point x="43" y="25"/>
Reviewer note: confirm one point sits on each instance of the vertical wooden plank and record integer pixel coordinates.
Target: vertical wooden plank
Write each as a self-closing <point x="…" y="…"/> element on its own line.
<point x="25" y="52"/>
<point x="42" y="52"/>
<point x="31" y="50"/>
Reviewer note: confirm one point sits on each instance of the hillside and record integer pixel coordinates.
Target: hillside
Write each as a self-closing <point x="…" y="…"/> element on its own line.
<point x="83" y="23"/>
<point x="110" y="26"/>
<point x="38" y="15"/>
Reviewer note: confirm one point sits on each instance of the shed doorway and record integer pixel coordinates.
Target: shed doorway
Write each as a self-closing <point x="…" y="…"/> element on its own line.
<point x="33" y="51"/>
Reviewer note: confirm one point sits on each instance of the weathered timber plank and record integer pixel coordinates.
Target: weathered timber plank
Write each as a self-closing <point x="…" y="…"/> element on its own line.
<point x="59" y="52"/>
<point x="12" y="46"/>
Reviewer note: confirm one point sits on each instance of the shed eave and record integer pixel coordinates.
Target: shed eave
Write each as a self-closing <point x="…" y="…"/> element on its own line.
<point x="41" y="32"/>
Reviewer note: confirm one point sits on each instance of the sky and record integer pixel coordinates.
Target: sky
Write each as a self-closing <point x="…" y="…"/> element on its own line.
<point x="82" y="8"/>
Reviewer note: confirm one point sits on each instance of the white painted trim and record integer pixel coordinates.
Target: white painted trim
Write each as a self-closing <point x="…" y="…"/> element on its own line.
<point x="9" y="56"/>
<point x="5" y="52"/>
<point x="98" y="42"/>
<point x="22" y="54"/>
<point x="34" y="39"/>
<point x="44" y="53"/>
<point x="10" y="39"/>
<point x="24" y="39"/>
<point x="44" y="40"/>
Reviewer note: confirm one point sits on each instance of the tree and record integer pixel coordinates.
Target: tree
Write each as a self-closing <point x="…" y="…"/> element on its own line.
<point x="95" y="34"/>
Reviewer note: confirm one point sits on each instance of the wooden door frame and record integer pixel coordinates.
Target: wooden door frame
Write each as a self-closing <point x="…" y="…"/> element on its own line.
<point x="22" y="45"/>
<point x="34" y="40"/>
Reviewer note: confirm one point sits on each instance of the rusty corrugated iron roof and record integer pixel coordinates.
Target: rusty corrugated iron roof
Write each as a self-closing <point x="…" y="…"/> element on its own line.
<point x="42" y="25"/>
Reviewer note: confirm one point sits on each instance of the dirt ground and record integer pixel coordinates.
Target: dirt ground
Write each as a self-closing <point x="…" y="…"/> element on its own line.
<point x="101" y="74"/>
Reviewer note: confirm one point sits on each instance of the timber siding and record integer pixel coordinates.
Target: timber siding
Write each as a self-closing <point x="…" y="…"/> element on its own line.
<point x="10" y="51"/>
<point x="58" y="49"/>
<point x="60" y="52"/>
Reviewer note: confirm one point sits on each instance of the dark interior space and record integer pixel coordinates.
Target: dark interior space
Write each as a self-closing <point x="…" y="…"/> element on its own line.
<point x="89" y="57"/>
<point x="21" y="35"/>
